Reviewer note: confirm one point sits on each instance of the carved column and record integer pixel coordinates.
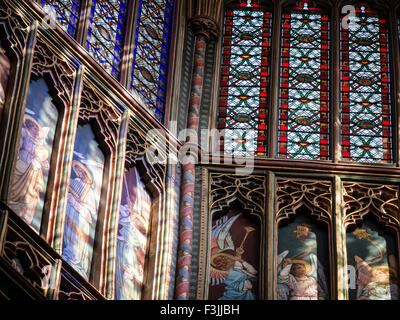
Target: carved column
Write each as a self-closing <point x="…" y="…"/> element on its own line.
<point x="204" y="23"/>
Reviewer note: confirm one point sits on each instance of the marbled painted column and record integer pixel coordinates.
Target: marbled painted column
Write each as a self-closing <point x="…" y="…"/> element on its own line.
<point x="188" y="174"/>
<point x="205" y="26"/>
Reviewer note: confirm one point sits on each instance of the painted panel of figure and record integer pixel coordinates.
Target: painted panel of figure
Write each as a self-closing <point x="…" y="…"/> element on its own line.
<point x="234" y="257"/>
<point x="5" y="66"/>
<point x="372" y="264"/>
<point x="302" y="261"/>
<point x="133" y="232"/>
<point x="30" y="176"/>
<point x="83" y="201"/>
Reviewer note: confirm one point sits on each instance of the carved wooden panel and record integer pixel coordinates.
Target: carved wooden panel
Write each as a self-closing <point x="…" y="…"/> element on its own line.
<point x="71" y="289"/>
<point x="250" y="191"/>
<point x="16" y="24"/>
<point x="27" y="257"/>
<point x="95" y="105"/>
<point x="236" y="220"/>
<point x="382" y="201"/>
<point x="48" y="59"/>
<point x="291" y="194"/>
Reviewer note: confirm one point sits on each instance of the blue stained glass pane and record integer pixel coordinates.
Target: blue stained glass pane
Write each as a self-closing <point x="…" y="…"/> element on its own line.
<point x="66" y="13"/>
<point x="106" y="33"/>
<point x="149" y="65"/>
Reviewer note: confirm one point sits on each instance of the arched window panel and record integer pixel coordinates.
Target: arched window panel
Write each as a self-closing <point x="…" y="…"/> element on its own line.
<point x="132" y="237"/>
<point x="243" y="106"/>
<point x="105" y="39"/>
<point x="365" y="88"/>
<point x="372" y="263"/>
<point x="66" y="13"/>
<point x="149" y="73"/>
<point x="83" y="201"/>
<point x="48" y="96"/>
<point x="304" y="94"/>
<point x="303" y="260"/>
<point x="31" y="172"/>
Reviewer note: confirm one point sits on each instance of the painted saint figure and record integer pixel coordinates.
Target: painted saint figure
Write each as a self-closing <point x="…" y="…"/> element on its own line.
<point x="28" y="180"/>
<point x="80" y="213"/>
<point x="232" y="272"/>
<point x="373" y="254"/>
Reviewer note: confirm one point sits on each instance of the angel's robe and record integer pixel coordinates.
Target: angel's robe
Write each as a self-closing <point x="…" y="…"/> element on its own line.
<point x="234" y="289"/>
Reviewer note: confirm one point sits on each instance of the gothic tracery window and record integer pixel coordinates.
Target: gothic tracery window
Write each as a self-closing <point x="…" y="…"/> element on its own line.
<point x="303" y="116"/>
<point x="243" y="105"/>
<point x="365" y="88"/>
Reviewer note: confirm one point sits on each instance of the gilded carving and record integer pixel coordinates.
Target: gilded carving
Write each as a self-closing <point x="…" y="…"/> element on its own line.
<point x="291" y="194"/>
<point x="249" y="190"/>
<point x="380" y="200"/>
<point x="94" y="105"/>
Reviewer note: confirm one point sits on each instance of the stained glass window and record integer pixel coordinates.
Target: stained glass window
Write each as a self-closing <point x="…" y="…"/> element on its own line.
<point x="365" y="88"/>
<point x="304" y="93"/>
<point x="105" y="40"/>
<point x="66" y="13"/>
<point x="244" y="80"/>
<point x="150" y="61"/>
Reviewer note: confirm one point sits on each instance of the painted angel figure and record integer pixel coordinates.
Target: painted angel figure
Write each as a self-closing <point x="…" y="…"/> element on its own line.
<point x="297" y="279"/>
<point x="237" y="274"/>
<point x="376" y="283"/>
<point x="239" y="282"/>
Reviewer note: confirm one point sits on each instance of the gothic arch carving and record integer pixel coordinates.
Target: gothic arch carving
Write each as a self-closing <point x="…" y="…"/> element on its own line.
<point x="47" y="60"/>
<point x="249" y="191"/>
<point x="137" y="147"/>
<point x="381" y="201"/>
<point x="291" y="194"/>
<point x="97" y="108"/>
<point x="16" y="26"/>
